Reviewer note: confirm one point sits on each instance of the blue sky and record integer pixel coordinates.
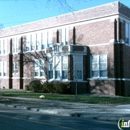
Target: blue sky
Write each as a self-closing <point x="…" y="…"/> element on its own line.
<point x="15" y="12"/>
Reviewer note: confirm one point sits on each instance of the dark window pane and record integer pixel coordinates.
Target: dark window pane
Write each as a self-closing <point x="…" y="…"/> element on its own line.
<point x="41" y="73"/>
<point x="27" y="48"/>
<point x="42" y="46"/>
<point x="57" y="74"/>
<point x="95" y="73"/>
<point x="36" y="73"/>
<point x="78" y="74"/>
<point x="103" y="73"/>
<point x="50" y="74"/>
<point x="64" y="74"/>
<point x="4" y="74"/>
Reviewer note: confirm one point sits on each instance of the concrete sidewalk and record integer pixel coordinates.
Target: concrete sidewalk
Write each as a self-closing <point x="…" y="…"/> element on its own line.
<point x="91" y="111"/>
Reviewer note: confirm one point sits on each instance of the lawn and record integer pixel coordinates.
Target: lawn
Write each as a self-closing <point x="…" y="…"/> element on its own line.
<point x="86" y="98"/>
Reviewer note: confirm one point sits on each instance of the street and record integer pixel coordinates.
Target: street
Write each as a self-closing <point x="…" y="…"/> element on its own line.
<point x="19" y="119"/>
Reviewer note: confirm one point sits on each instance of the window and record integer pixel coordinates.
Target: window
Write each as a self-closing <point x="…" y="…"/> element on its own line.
<point x="38" y="42"/>
<point x="2" y="46"/>
<point x="78" y="67"/>
<point x="32" y="42"/>
<point x="15" y="67"/>
<point x="45" y="39"/>
<point x="50" y="67"/>
<point x="127" y="33"/>
<point x="99" y="66"/>
<point x="38" y="68"/>
<point x="15" y="45"/>
<point x="66" y="36"/>
<point x="49" y="38"/>
<point x="3" y="68"/>
<point x="27" y="43"/>
<point x="42" y="42"/>
<point x="57" y="67"/>
<point x="65" y="67"/>
<point x="63" y="33"/>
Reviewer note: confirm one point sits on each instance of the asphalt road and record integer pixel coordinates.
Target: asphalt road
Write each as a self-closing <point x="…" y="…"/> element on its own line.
<point x="18" y="119"/>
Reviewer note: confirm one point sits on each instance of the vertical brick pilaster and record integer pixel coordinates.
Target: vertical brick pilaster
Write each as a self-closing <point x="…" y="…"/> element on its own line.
<point x="115" y="30"/>
<point x="21" y="64"/>
<point x="74" y="35"/>
<point x="10" y="65"/>
<point x="70" y="67"/>
<point x="57" y="36"/>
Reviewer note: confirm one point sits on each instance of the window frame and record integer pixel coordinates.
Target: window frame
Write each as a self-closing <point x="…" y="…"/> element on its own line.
<point x="15" y="68"/>
<point x="38" y="68"/>
<point x="127" y="33"/>
<point x="57" y="66"/>
<point x="64" y="69"/>
<point x="3" y="68"/>
<point x="77" y="61"/>
<point x="99" y="66"/>
<point x="3" y="47"/>
<point x="50" y="68"/>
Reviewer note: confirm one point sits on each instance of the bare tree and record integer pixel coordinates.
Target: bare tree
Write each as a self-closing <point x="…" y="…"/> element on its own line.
<point x="62" y="4"/>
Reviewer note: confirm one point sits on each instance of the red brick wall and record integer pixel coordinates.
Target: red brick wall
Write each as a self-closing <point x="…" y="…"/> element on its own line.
<point x="95" y="33"/>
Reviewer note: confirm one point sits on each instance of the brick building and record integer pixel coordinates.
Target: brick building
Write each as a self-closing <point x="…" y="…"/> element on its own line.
<point x="90" y="47"/>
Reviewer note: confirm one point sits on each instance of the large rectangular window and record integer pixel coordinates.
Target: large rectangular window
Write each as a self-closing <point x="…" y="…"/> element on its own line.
<point x="64" y="34"/>
<point x="127" y="33"/>
<point x="65" y="67"/>
<point x="15" y="67"/>
<point x="43" y="45"/>
<point x="32" y="42"/>
<point x="3" y="69"/>
<point x="3" y="46"/>
<point x="39" y="67"/>
<point x="38" y="41"/>
<point x="28" y="44"/>
<point x="99" y="66"/>
<point x="15" y="44"/>
<point x="57" y="67"/>
<point x="49" y="38"/>
<point x="50" y="68"/>
<point x="78" y="67"/>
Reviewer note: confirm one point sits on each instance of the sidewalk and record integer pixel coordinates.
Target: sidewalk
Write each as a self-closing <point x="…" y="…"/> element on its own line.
<point x="91" y="111"/>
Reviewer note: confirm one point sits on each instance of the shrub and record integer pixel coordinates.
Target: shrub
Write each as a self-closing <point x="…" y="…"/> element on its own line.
<point x="35" y="85"/>
<point x="27" y="87"/>
<point x="55" y="87"/>
<point x="61" y="87"/>
<point x="48" y="87"/>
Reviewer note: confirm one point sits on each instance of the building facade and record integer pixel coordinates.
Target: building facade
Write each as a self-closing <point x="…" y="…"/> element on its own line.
<point x="90" y="47"/>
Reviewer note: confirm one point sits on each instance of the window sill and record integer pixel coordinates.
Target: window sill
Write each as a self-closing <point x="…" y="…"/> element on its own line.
<point x="97" y="78"/>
